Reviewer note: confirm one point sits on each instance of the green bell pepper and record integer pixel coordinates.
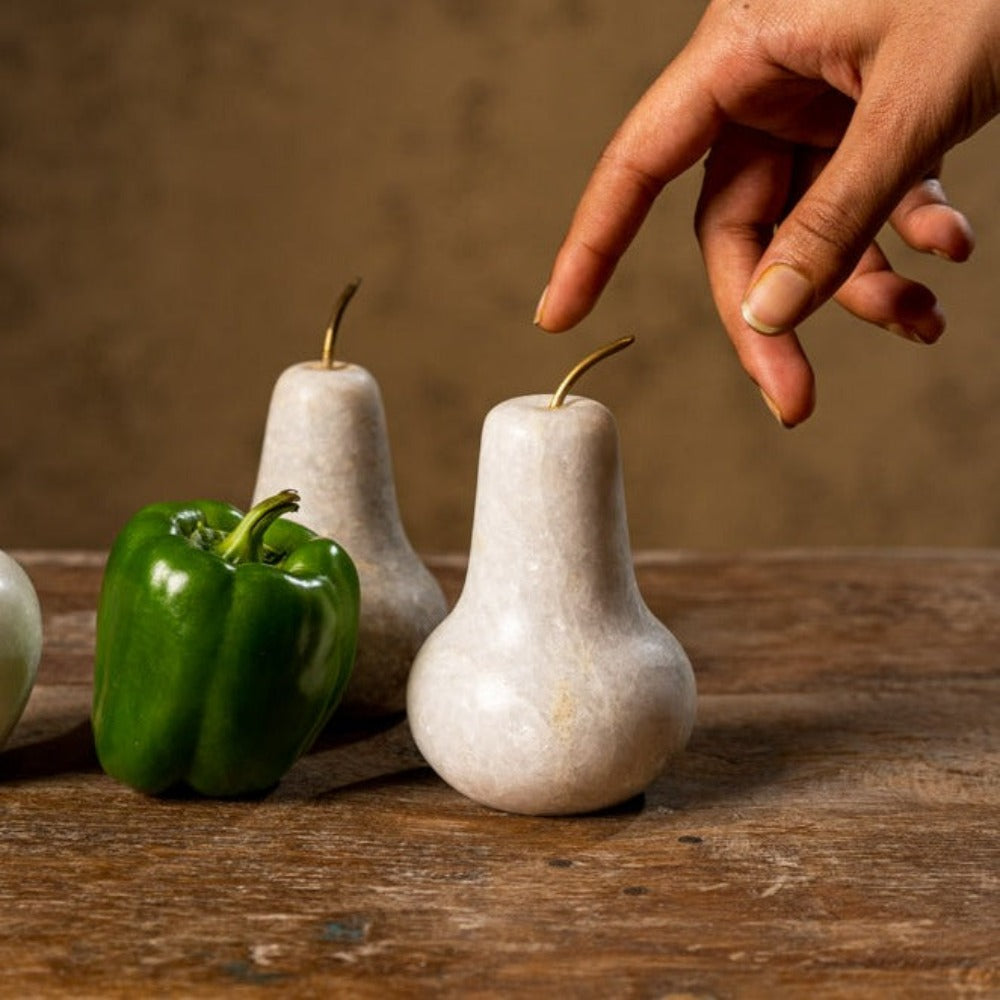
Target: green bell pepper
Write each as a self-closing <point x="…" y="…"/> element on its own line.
<point x="224" y="643"/>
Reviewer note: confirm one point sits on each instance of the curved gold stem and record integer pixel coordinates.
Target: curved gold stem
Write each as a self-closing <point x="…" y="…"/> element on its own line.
<point x="588" y="362"/>
<point x="330" y="340"/>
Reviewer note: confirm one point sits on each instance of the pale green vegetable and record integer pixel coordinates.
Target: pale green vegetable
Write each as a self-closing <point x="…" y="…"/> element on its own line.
<point x="20" y="642"/>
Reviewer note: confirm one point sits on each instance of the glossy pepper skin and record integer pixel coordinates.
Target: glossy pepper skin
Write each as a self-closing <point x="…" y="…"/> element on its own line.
<point x="224" y="644"/>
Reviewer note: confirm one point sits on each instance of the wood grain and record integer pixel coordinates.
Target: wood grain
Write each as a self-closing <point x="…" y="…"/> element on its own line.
<point x="830" y="832"/>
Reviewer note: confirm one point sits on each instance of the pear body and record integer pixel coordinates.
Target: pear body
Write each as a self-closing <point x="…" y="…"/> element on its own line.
<point x="20" y="642"/>
<point x="326" y="437"/>
<point x="550" y="688"/>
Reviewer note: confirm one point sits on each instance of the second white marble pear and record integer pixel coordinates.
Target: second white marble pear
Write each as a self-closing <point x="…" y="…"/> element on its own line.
<point x="550" y="688"/>
<point x="326" y="437"/>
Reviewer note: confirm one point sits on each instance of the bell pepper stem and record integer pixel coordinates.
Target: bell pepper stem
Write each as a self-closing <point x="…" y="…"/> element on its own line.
<point x="245" y="543"/>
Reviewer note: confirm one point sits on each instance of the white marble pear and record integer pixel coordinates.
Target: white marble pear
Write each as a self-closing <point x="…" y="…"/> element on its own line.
<point x="326" y="437"/>
<point x="551" y="688"/>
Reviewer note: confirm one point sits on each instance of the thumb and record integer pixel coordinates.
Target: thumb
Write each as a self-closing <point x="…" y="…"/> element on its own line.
<point x="817" y="246"/>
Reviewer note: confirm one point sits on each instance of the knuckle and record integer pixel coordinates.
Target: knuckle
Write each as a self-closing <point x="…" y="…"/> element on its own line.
<point x="837" y="230"/>
<point x="603" y="256"/>
<point x="710" y="227"/>
<point x="618" y="160"/>
<point x="715" y="221"/>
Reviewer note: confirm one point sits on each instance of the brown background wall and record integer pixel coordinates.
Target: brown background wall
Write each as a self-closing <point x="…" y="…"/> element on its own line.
<point x="184" y="187"/>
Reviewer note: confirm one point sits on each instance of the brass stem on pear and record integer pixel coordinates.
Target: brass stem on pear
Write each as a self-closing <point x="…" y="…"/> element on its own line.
<point x="333" y="326"/>
<point x="588" y="362"/>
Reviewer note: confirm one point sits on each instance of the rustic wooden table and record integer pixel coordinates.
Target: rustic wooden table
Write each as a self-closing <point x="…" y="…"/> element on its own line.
<point x="831" y="830"/>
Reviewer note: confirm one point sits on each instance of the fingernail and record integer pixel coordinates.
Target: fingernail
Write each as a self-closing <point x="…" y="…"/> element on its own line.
<point x="778" y="298"/>
<point x="773" y="407"/>
<point x="914" y="333"/>
<point x="541" y="305"/>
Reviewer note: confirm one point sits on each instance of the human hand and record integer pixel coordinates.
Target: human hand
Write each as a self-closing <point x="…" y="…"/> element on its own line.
<point x="825" y="119"/>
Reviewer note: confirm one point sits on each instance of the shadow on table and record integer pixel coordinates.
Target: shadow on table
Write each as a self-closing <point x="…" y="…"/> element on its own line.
<point x="69" y="752"/>
<point x="724" y="763"/>
<point x="343" y="730"/>
<point x="747" y="750"/>
<point x="353" y="753"/>
<point x="733" y="756"/>
<point x="379" y="759"/>
<point x="349" y="754"/>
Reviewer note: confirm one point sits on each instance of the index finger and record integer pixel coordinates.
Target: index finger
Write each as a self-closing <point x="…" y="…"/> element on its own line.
<point x="672" y="126"/>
